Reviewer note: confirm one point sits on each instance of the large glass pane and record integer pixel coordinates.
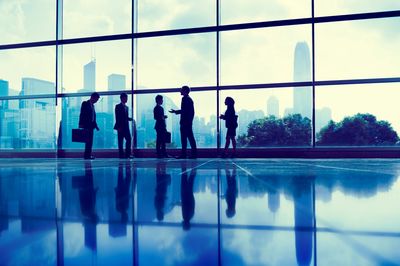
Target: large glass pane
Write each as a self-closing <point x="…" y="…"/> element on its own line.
<point x="239" y="11"/>
<point x="29" y="71"/>
<point x="357" y="49"/>
<point x="27" y="21"/>
<point x="102" y="66"/>
<point x="28" y="124"/>
<point x="174" y="14"/>
<point x="361" y="115"/>
<point x="338" y="7"/>
<point x="93" y="17"/>
<point x="172" y="61"/>
<point x="106" y="138"/>
<point x="266" y="55"/>
<point x="204" y="124"/>
<point x="271" y="117"/>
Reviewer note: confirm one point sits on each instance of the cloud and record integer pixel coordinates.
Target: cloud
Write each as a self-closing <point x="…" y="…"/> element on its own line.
<point x="12" y="21"/>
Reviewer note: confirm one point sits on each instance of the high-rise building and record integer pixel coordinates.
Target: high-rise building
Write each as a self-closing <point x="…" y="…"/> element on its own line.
<point x="89" y="76"/>
<point x="4" y="91"/>
<point x="322" y="118"/>
<point x="37" y="116"/>
<point x="302" y="96"/>
<point x="273" y="106"/>
<point x="4" y="88"/>
<point x="116" y="82"/>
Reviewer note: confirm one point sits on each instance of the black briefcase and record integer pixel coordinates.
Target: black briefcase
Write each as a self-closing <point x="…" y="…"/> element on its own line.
<point x="79" y="135"/>
<point x="167" y="137"/>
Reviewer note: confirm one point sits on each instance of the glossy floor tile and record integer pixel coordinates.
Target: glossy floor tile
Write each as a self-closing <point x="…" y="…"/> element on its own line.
<point x="199" y="212"/>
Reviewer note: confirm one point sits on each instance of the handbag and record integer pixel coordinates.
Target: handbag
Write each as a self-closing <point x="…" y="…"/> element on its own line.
<point x="80" y="135"/>
<point x="167" y="137"/>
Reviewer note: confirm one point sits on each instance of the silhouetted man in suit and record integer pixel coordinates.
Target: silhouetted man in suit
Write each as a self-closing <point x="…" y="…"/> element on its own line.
<point x="160" y="127"/>
<point x="87" y="120"/>
<point x="122" y="126"/>
<point x="186" y="122"/>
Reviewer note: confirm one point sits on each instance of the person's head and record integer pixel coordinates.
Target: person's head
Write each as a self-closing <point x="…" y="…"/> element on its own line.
<point x="185" y="90"/>
<point x="229" y="101"/>
<point x="94" y="97"/>
<point x="124" y="97"/>
<point x="159" y="99"/>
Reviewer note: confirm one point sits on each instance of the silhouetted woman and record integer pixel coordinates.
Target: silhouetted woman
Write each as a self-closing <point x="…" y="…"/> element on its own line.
<point x="231" y="124"/>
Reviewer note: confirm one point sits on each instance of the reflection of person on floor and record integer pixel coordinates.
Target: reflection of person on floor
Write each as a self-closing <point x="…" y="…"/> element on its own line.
<point x="122" y="191"/>
<point x="163" y="181"/>
<point x="187" y="197"/>
<point x="231" y="192"/>
<point x="303" y="218"/>
<point x="87" y="200"/>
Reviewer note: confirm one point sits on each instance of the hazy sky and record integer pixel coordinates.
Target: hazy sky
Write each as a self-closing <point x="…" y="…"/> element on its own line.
<point x="344" y="50"/>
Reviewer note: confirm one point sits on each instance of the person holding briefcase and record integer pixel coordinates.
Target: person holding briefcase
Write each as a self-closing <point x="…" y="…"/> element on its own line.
<point x="160" y="127"/>
<point x="87" y="121"/>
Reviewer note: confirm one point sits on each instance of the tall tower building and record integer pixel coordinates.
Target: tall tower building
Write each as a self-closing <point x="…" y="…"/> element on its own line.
<point x="37" y="116"/>
<point x="4" y="88"/>
<point x="302" y="96"/>
<point x="273" y="106"/>
<point x="89" y="76"/>
<point x="4" y="91"/>
<point x="116" y="82"/>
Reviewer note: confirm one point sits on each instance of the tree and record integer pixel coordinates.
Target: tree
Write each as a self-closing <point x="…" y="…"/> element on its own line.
<point x="292" y="130"/>
<point x="358" y="130"/>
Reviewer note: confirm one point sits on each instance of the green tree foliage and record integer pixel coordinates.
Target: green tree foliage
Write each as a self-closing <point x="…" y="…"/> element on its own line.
<point x="358" y="130"/>
<point x="292" y="130"/>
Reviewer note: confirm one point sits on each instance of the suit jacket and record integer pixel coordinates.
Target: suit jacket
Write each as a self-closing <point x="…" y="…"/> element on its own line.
<point x="87" y="117"/>
<point x="122" y="117"/>
<point x="158" y="113"/>
<point x="187" y="111"/>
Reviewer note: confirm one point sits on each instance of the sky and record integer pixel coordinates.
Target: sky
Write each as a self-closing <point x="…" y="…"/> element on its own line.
<point x="344" y="50"/>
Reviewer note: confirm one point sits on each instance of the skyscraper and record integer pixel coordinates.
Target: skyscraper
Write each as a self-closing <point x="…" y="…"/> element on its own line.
<point x="273" y="106"/>
<point x="4" y="91"/>
<point x="302" y="96"/>
<point x="37" y="116"/>
<point x="116" y="82"/>
<point x="4" y="87"/>
<point x="89" y="76"/>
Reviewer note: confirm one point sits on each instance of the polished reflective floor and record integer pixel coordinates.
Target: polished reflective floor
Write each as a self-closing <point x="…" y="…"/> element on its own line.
<point x="199" y="212"/>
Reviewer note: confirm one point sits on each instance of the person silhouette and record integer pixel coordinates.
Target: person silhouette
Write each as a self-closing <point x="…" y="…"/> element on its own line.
<point x="187" y="197"/>
<point x="163" y="181"/>
<point x="122" y="191"/>
<point x="122" y="126"/>
<point x="87" y="201"/>
<point x="186" y="123"/>
<point x="87" y="120"/>
<point x="231" y="124"/>
<point x="231" y="192"/>
<point x="160" y="127"/>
